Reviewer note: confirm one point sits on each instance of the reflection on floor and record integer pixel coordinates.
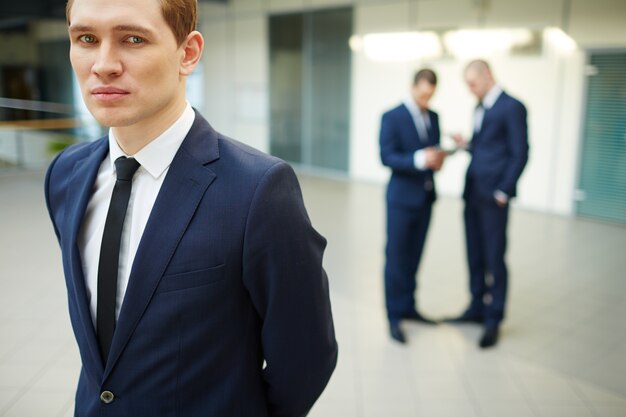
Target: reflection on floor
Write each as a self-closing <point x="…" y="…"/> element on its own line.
<point x="562" y="351"/>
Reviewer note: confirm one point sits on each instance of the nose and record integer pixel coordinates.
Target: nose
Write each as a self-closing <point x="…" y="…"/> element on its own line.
<point x="107" y="62"/>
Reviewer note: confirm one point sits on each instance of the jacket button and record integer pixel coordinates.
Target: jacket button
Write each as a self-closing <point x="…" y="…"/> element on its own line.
<point x="107" y="397"/>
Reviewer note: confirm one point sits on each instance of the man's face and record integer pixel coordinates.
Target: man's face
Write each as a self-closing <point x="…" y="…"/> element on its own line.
<point x="478" y="82"/>
<point x="422" y="92"/>
<point x="126" y="59"/>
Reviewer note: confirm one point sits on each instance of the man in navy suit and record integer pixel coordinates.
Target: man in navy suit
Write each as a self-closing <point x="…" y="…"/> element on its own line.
<point x="499" y="149"/>
<point x="409" y="145"/>
<point x="194" y="277"/>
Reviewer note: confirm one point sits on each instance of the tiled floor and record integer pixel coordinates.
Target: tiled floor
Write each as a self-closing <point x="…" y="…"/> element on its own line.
<point x="563" y="347"/>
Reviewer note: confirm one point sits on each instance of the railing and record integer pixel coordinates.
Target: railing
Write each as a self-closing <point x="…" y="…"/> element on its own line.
<point x="16" y="134"/>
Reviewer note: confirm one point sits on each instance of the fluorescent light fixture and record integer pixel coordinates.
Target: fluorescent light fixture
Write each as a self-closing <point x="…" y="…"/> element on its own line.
<point x="467" y="43"/>
<point x="559" y="39"/>
<point x="356" y="43"/>
<point x="401" y="46"/>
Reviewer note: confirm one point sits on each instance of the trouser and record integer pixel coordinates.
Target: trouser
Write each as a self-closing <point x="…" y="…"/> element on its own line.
<point x="485" y="232"/>
<point x="406" y="233"/>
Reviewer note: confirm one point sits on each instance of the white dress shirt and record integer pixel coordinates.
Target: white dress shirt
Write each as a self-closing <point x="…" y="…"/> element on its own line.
<point x="488" y="101"/>
<point x="155" y="159"/>
<point x="422" y="124"/>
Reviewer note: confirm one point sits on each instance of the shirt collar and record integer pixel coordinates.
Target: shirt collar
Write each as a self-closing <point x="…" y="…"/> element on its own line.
<point x="157" y="156"/>
<point x="491" y="97"/>
<point x="412" y="106"/>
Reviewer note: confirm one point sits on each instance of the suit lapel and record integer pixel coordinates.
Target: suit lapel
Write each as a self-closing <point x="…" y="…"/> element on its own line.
<point x="491" y="111"/>
<point x="432" y="130"/>
<point x="79" y="193"/>
<point x="410" y="123"/>
<point x="184" y="186"/>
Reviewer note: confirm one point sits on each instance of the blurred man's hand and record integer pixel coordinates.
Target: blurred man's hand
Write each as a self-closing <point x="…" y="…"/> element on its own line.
<point x="460" y="141"/>
<point x="501" y="198"/>
<point x="434" y="158"/>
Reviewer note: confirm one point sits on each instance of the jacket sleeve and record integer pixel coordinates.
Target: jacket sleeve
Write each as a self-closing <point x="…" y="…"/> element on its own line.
<point x="391" y="154"/>
<point x="47" y="193"/>
<point x="289" y="288"/>
<point x="517" y="144"/>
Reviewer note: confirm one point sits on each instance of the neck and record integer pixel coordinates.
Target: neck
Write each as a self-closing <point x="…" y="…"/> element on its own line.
<point x="489" y="88"/>
<point x="134" y="138"/>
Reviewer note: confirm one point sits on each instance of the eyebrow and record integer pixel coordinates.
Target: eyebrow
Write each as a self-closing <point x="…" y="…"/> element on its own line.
<point x="119" y="28"/>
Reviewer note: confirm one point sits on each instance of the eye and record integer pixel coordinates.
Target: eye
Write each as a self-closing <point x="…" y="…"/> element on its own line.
<point x="135" y="39"/>
<point x="87" y="39"/>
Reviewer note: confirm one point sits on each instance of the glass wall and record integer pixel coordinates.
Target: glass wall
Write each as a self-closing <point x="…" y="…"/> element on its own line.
<point x="36" y="94"/>
<point x="310" y="66"/>
<point x="603" y="169"/>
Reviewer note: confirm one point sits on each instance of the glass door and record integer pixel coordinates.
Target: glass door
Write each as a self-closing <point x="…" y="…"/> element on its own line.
<point x="310" y="66"/>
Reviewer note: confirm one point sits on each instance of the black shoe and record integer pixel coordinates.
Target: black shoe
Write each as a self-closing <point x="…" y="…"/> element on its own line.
<point x="415" y="316"/>
<point x="465" y="318"/>
<point x="396" y="333"/>
<point x="489" y="338"/>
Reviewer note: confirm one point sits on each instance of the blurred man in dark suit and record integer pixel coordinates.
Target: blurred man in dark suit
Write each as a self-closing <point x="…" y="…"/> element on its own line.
<point x="499" y="149"/>
<point x="409" y="145"/>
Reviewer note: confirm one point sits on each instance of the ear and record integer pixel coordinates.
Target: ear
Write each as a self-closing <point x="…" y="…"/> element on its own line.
<point x="192" y="51"/>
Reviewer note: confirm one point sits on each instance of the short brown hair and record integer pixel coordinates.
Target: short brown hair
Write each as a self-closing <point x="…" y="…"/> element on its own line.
<point x="180" y="16"/>
<point x="427" y="75"/>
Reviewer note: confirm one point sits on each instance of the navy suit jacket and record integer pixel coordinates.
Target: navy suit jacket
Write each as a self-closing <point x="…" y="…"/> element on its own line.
<point x="399" y="140"/>
<point x="499" y="150"/>
<point x="228" y="275"/>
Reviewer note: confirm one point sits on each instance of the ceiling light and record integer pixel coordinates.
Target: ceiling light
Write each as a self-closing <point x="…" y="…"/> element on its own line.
<point x="559" y="40"/>
<point x="468" y="43"/>
<point x="401" y="46"/>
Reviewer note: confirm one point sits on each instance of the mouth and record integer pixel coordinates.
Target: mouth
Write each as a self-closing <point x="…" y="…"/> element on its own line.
<point x="109" y="94"/>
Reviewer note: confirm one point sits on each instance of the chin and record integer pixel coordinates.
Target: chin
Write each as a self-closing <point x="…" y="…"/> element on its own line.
<point x="111" y="117"/>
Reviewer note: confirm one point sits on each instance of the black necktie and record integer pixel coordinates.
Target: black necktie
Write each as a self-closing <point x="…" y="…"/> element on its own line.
<point x="110" y="253"/>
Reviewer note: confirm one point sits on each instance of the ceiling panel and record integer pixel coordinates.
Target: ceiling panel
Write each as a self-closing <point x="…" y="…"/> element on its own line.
<point x="14" y="13"/>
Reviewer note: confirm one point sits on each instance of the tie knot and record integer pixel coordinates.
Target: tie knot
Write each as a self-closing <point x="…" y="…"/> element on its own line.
<point x="125" y="168"/>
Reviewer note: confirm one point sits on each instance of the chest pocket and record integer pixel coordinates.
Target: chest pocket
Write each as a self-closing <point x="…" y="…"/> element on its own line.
<point x="192" y="279"/>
